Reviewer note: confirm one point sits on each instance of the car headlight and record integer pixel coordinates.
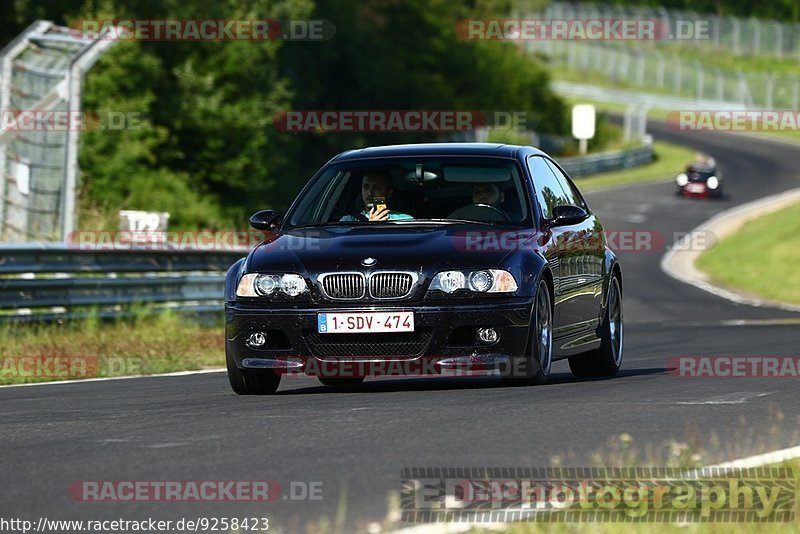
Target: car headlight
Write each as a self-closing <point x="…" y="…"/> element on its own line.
<point x="293" y="284"/>
<point x="712" y="182"/>
<point x="482" y="281"/>
<point x="263" y="285"/>
<point x="266" y="285"/>
<point x="682" y="179"/>
<point x="449" y="281"/>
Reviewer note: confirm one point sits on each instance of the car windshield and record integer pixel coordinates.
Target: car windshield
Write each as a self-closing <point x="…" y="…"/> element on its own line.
<point x="698" y="170"/>
<point x="435" y="190"/>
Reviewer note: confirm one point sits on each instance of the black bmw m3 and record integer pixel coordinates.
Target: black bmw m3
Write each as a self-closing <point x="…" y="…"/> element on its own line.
<point x="432" y="258"/>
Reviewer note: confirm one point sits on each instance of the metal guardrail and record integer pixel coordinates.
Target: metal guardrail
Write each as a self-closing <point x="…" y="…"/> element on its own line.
<point x="735" y="35"/>
<point x="648" y="100"/>
<point x="42" y="70"/>
<point x="45" y="282"/>
<point x="638" y="104"/>
<point x="615" y="160"/>
<point x="669" y="67"/>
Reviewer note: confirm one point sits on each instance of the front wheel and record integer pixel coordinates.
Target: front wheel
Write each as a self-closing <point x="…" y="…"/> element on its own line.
<point x="535" y="367"/>
<point x="244" y="383"/>
<point x="606" y="360"/>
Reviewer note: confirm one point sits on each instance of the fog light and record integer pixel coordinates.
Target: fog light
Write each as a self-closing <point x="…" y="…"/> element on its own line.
<point x="488" y="335"/>
<point x="257" y="339"/>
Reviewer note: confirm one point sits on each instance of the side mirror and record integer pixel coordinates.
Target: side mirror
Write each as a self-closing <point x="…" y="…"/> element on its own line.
<point x="565" y="215"/>
<point x="265" y="220"/>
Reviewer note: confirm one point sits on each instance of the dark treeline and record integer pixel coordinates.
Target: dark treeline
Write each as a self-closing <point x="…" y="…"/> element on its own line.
<point x="209" y="152"/>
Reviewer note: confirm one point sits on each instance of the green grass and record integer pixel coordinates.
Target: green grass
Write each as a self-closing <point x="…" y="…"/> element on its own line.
<point x="611" y="140"/>
<point x="667" y="528"/>
<point x="761" y="259"/>
<point x="669" y="160"/>
<point x="700" y="448"/>
<point x="725" y="60"/>
<point x="145" y="344"/>
<point x="647" y="527"/>
<point x="613" y="107"/>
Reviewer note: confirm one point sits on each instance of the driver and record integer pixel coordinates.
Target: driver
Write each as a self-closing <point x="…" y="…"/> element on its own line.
<point x="377" y="184"/>
<point x="487" y="193"/>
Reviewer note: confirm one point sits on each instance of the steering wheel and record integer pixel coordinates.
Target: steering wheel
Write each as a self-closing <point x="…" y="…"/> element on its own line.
<point x="481" y="212"/>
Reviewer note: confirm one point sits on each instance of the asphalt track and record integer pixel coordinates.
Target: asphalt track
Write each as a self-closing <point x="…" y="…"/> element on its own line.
<point x="356" y="441"/>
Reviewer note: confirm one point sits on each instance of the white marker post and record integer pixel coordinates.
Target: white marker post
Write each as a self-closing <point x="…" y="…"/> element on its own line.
<point x="583" y="121"/>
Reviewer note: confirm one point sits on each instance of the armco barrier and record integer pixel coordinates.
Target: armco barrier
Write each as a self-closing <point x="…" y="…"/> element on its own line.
<point x="607" y="161"/>
<point x="52" y="281"/>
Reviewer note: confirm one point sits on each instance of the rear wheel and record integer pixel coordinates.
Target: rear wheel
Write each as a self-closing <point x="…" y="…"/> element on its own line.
<point x="249" y="383"/>
<point x="606" y="360"/>
<point x="352" y="382"/>
<point x="535" y="367"/>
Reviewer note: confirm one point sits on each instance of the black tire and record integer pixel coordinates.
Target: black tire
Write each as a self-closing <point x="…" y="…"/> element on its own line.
<point x="350" y="382"/>
<point x="244" y="383"/>
<point x="534" y="368"/>
<point x="606" y="360"/>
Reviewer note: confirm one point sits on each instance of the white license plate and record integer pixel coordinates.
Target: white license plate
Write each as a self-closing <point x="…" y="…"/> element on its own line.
<point x="365" y="322"/>
<point x="696" y="188"/>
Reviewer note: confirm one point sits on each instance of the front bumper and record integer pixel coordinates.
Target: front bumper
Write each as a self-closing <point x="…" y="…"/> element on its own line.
<point x="699" y="190"/>
<point x="443" y="340"/>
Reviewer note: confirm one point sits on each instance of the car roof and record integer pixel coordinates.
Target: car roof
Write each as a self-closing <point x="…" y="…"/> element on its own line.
<point x="437" y="149"/>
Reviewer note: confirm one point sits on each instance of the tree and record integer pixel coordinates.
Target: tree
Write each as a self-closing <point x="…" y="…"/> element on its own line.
<point x="207" y="149"/>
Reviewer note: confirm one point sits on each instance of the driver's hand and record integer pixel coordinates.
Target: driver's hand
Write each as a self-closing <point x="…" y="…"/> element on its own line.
<point x="381" y="215"/>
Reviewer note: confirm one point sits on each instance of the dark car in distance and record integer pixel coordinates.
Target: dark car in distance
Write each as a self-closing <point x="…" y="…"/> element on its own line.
<point x="430" y="258"/>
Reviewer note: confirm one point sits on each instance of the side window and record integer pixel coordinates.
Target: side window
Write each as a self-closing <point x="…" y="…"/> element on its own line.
<point x="573" y="197"/>
<point x="548" y="190"/>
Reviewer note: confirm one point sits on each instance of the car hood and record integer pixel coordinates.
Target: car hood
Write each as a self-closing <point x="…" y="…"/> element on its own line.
<point x="406" y="247"/>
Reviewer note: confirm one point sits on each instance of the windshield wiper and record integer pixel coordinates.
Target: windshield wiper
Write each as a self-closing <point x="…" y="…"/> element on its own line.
<point x="453" y="221"/>
<point x="400" y="221"/>
<point x="331" y="223"/>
